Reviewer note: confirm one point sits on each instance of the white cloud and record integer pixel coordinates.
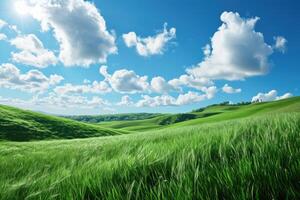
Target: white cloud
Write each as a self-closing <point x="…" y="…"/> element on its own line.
<point x="3" y="36"/>
<point x="270" y="96"/>
<point x="125" y="101"/>
<point x="32" y="81"/>
<point x="182" y="99"/>
<point x="2" y="23"/>
<point x="79" y="28"/>
<point x="32" y="52"/>
<point x="159" y="85"/>
<point x="236" y="51"/>
<point x="206" y="50"/>
<point x="11" y="27"/>
<point x="70" y="101"/>
<point x="285" y="96"/>
<point x="148" y="101"/>
<point x="230" y="90"/>
<point x="63" y="105"/>
<point x="190" y="97"/>
<point x="280" y="43"/>
<point x="125" y="81"/>
<point x="210" y="92"/>
<point x="191" y="81"/>
<point x="94" y="88"/>
<point x="151" y="45"/>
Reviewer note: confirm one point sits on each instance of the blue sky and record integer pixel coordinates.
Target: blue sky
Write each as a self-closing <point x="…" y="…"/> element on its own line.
<point x="93" y="57"/>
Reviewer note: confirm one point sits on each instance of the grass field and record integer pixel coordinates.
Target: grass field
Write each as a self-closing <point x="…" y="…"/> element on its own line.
<point x="20" y="125"/>
<point x="210" y="114"/>
<point x="253" y="152"/>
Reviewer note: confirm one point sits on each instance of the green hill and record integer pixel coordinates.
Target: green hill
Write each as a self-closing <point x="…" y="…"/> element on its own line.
<point x="209" y="114"/>
<point x="250" y="158"/>
<point x="22" y="125"/>
<point x="221" y="151"/>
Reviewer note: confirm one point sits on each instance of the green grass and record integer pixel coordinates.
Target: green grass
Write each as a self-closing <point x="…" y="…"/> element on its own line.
<point x="21" y="125"/>
<point x="251" y="158"/>
<point x="210" y="114"/>
<point x="226" y="152"/>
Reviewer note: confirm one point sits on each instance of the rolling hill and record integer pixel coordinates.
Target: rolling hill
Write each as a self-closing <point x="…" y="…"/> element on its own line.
<point x="22" y="125"/>
<point x="221" y="151"/>
<point x="209" y="114"/>
<point x="250" y="158"/>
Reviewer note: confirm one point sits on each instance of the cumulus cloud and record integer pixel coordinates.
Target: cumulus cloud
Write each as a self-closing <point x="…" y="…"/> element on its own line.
<point x="32" y="52"/>
<point x="230" y="90"/>
<point x="61" y="104"/>
<point x="125" y="81"/>
<point x="151" y="45"/>
<point x="32" y="81"/>
<point x="159" y="85"/>
<point x="280" y="43"/>
<point x="270" y="96"/>
<point x="182" y="99"/>
<point x="236" y="51"/>
<point x="3" y="36"/>
<point x="94" y="88"/>
<point x="191" y="81"/>
<point x="70" y="101"/>
<point x="125" y="101"/>
<point x="79" y="28"/>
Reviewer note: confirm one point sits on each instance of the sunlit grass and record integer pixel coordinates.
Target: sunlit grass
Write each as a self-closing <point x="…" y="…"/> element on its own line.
<point x="239" y="159"/>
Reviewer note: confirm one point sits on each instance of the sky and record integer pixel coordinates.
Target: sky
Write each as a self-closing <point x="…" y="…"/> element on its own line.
<point x="74" y="57"/>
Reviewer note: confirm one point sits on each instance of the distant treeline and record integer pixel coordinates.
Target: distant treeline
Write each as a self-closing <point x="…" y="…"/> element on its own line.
<point x="225" y="103"/>
<point x="112" y="117"/>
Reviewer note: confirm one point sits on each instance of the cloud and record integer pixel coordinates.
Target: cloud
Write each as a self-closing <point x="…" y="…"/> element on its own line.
<point x="182" y="99"/>
<point x="2" y="23"/>
<point x="280" y="43"/>
<point x="206" y="50"/>
<point x="32" y="52"/>
<point x="230" y="90"/>
<point x="191" y="81"/>
<point x="236" y="51"/>
<point x="3" y="36"/>
<point x="70" y="101"/>
<point x="79" y="28"/>
<point x="94" y="88"/>
<point x="159" y="85"/>
<point x="148" y="101"/>
<point x="270" y="96"/>
<point x="33" y="81"/>
<point x="151" y="45"/>
<point x="11" y="27"/>
<point x="125" y="81"/>
<point x="125" y="101"/>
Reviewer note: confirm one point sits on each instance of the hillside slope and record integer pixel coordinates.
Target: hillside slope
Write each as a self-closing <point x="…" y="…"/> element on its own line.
<point x="22" y="125"/>
<point x="207" y="115"/>
<point x="251" y="158"/>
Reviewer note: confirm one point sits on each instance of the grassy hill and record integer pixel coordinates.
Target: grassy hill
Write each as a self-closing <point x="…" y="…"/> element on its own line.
<point x="112" y="117"/>
<point x="21" y="125"/>
<point x="222" y="151"/>
<point x="209" y="114"/>
<point x="250" y="158"/>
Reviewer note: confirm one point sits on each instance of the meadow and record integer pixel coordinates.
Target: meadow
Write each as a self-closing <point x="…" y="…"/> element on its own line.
<point x="252" y="152"/>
